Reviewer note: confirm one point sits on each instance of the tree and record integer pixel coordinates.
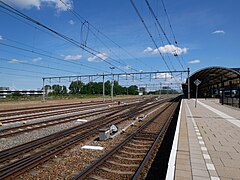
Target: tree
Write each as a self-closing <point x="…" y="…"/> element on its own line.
<point x="107" y="88"/>
<point x="133" y="90"/>
<point x="57" y="89"/>
<point x="76" y="87"/>
<point x="64" y="90"/>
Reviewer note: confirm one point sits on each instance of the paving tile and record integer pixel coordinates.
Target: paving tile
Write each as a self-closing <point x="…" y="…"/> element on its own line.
<point x="183" y="152"/>
<point x="221" y="143"/>
<point x="224" y="148"/>
<point x="201" y="166"/>
<point x="200" y="178"/>
<point x="199" y="156"/>
<point x="182" y="178"/>
<point x="183" y="161"/>
<point x="196" y="152"/>
<point x="231" y="163"/>
<point x="213" y="173"/>
<point x="197" y="160"/>
<point x="228" y="172"/>
<point x="234" y="155"/>
<point x="182" y="156"/>
<point x="181" y="173"/>
<point x="219" y="154"/>
<point x="202" y="173"/>
<point x="217" y="161"/>
<point x="183" y="167"/>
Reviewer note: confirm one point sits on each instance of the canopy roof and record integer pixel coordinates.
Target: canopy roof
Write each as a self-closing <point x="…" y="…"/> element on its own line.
<point x="214" y="77"/>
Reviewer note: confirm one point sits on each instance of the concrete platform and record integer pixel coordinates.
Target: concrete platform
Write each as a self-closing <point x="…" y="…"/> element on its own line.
<point x="206" y="143"/>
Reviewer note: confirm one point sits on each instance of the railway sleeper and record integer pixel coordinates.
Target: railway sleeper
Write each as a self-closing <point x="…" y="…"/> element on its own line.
<point x="127" y="158"/>
<point x="141" y="148"/>
<point x="121" y="164"/>
<point x="116" y="171"/>
<point x="135" y="150"/>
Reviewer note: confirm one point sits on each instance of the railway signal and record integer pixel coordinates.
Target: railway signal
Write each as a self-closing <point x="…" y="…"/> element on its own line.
<point x="196" y="82"/>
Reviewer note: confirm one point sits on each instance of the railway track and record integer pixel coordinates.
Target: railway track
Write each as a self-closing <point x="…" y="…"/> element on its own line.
<point x="67" y="138"/>
<point x="38" y="109"/>
<point x="7" y="132"/>
<point x="131" y="158"/>
<point x="53" y="118"/>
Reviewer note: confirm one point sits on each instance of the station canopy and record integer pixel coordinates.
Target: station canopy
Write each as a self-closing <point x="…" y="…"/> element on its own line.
<point x="213" y="80"/>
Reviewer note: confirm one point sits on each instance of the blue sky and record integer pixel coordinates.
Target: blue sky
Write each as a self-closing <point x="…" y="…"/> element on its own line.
<point x="207" y="33"/>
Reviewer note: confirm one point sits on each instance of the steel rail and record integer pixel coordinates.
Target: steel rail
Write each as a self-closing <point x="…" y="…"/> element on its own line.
<point x="92" y="167"/>
<point x="21" y="165"/>
<point x="52" y="122"/>
<point x="11" y="152"/>
<point x="139" y="171"/>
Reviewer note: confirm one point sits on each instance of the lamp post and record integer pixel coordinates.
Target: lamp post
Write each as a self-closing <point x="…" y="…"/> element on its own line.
<point x="112" y="83"/>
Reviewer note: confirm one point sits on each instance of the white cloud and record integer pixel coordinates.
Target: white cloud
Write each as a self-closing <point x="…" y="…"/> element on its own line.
<point x="163" y="75"/>
<point x="170" y="49"/>
<point x="1" y="38"/>
<point x="60" y="6"/>
<point x="36" y="59"/>
<point x="125" y="67"/>
<point x="194" y="61"/>
<point x="14" y="61"/>
<point x="219" y="32"/>
<point x="73" y="57"/>
<point x="99" y="57"/>
<point x="27" y="4"/>
<point x="148" y="49"/>
<point x="71" y="22"/>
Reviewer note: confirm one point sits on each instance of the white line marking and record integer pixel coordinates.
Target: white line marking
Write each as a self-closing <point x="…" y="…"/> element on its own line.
<point x="210" y="166"/>
<point x="215" y="178"/>
<point x="223" y="115"/>
<point x="203" y="147"/>
<point x="172" y="159"/>
<point x="206" y="156"/>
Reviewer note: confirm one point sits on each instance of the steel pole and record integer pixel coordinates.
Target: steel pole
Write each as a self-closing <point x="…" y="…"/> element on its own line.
<point x="196" y="96"/>
<point x="112" y="89"/>
<point x="189" y="84"/>
<point x="44" y="90"/>
<point x="103" y="89"/>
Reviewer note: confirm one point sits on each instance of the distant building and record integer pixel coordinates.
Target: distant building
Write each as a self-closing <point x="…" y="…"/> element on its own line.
<point x="5" y="91"/>
<point x="4" y="88"/>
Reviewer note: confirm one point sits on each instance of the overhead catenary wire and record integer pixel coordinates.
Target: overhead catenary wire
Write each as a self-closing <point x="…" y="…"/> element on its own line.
<point x="170" y="25"/>
<point x="149" y="33"/>
<point x="85" y="48"/>
<point x="12" y="74"/>
<point x="24" y="70"/>
<point x="164" y="33"/>
<point x="78" y="45"/>
<point x="3" y="37"/>
<point x="83" y="20"/>
<point x="50" y="56"/>
<point x="36" y="65"/>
